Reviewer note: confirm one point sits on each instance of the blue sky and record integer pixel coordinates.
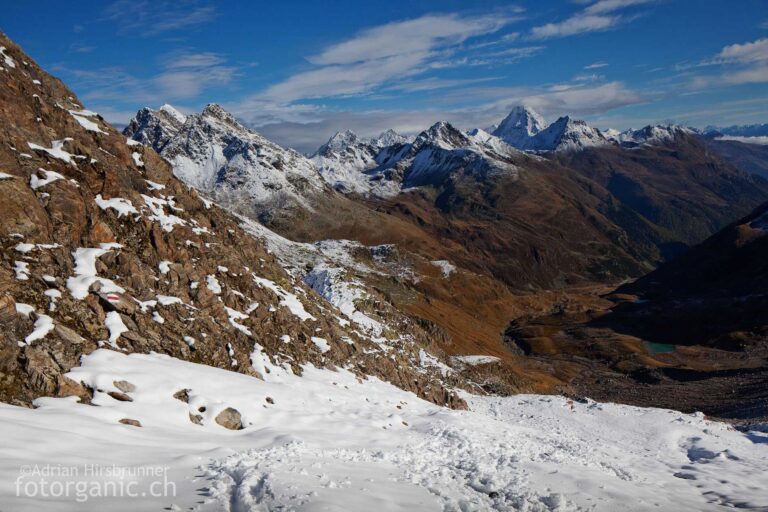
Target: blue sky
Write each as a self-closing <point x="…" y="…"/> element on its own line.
<point x="300" y="70"/>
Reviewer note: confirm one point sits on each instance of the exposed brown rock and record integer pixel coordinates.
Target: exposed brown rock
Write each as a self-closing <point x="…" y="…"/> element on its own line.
<point x="182" y="395"/>
<point x="7" y="309"/>
<point x="120" y="397"/>
<point x="124" y="386"/>
<point x="230" y="418"/>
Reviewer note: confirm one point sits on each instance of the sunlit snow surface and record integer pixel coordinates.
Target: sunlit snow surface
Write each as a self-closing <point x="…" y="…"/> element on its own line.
<point x="329" y="441"/>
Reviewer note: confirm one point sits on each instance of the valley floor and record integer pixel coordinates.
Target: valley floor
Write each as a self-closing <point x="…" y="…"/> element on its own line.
<point x="330" y="441"/>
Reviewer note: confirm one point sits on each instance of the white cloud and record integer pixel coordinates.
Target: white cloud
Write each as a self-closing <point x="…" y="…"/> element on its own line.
<point x="606" y="6"/>
<point x="753" y="75"/>
<point x="596" y="17"/>
<point x="761" y="140"/>
<point x="193" y="60"/>
<point x="378" y="55"/>
<point x="431" y="84"/>
<point x="336" y="80"/>
<point x="585" y="100"/>
<point x="402" y="38"/>
<point x="184" y="76"/>
<point x="744" y="63"/>
<point x="150" y="18"/>
<point x="589" y="77"/>
<point x="596" y="65"/>
<point x="578" y="24"/>
<point x="743" y="53"/>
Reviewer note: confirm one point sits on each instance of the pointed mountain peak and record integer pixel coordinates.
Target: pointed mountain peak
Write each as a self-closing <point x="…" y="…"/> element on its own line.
<point x="154" y="127"/>
<point x="519" y="126"/>
<point x="388" y="138"/>
<point x="442" y="134"/>
<point x="338" y="143"/>
<point x="216" y="111"/>
<point x="344" y="136"/>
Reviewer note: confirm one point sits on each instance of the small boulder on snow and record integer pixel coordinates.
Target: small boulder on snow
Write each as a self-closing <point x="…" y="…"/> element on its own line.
<point x="230" y="418"/>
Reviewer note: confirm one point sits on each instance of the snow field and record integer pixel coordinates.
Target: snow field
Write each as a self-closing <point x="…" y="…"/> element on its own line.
<point x="328" y="440"/>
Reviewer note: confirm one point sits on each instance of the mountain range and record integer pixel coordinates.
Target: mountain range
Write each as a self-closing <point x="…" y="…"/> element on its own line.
<point x="593" y="208"/>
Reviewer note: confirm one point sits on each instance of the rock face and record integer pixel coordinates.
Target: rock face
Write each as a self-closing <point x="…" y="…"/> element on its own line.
<point x="102" y="246"/>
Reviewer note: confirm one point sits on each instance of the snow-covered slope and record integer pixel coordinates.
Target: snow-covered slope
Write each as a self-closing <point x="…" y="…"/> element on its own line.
<point x="442" y="150"/>
<point x="520" y="126"/>
<point x="567" y="134"/>
<point x="650" y="135"/>
<point x="214" y="153"/>
<point x="387" y="164"/>
<point x="344" y="162"/>
<point x="331" y="441"/>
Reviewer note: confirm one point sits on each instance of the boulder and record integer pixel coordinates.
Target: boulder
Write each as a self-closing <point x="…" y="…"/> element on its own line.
<point x="230" y="418"/>
<point x="120" y="397"/>
<point x="124" y="386"/>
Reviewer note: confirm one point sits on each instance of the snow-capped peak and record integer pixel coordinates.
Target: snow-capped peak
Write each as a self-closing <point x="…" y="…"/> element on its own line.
<point x="519" y="126"/>
<point x="649" y="135"/>
<point x="444" y="135"/>
<point x="216" y="111"/>
<point x="171" y="111"/>
<point x="388" y="138"/>
<point x="155" y="128"/>
<point x="567" y="134"/>
<point x="339" y="142"/>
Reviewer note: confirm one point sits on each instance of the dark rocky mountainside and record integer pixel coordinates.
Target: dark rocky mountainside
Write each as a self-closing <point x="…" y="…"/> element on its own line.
<point x="751" y="158"/>
<point x="102" y="246"/>
<point x="679" y="191"/>
<point x="714" y="294"/>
